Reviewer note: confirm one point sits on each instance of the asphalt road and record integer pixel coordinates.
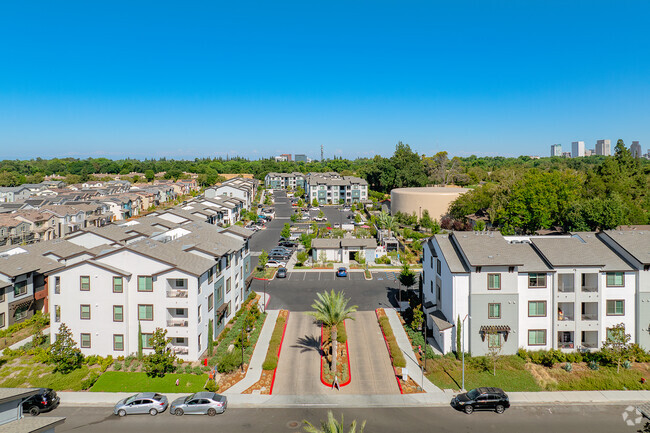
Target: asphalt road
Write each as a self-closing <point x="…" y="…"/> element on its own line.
<point x="547" y="419"/>
<point x="268" y="238"/>
<point x="298" y="291"/>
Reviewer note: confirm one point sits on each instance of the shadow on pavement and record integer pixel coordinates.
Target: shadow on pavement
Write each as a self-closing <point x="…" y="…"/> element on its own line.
<point x="308" y="343"/>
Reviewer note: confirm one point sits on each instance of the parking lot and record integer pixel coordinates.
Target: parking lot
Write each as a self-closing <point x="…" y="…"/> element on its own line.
<point x="323" y="276"/>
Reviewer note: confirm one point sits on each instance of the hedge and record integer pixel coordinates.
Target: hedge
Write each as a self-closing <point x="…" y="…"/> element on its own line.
<point x="341" y="333"/>
<point x="602" y="357"/>
<point x="271" y="361"/>
<point x="397" y="356"/>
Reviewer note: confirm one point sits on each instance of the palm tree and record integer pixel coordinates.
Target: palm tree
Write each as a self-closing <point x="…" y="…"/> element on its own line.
<point x="331" y="309"/>
<point x="387" y="221"/>
<point x="332" y="425"/>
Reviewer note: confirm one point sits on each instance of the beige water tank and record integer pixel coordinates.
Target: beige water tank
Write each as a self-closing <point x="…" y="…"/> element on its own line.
<point x="415" y="200"/>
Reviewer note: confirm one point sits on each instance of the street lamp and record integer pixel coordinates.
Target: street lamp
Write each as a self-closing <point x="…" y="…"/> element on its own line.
<point x="463" y="348"/>
<point x="241" y="341"/>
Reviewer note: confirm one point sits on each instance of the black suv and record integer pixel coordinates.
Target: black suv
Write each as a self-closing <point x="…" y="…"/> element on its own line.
<point x="482" y="399"/>
<point x="43" y="401"/>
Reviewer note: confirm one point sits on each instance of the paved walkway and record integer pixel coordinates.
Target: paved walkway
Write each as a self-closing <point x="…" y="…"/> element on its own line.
<point x="439" y="399"/>
<point x="298" y="370"/>
<point x="372" y="372"/>
<point x="21" y="343"/>
<point x="254" y="372"/>
<point x="411" y="361"/>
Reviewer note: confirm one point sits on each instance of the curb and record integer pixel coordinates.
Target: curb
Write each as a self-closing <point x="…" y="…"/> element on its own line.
<point x="322" y="379"/>
<point x="401" y="391"/>
<point x="279" y="350"/>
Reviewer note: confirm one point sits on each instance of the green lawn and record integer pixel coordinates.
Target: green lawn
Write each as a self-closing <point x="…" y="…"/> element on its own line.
<point x="511" y="375"/>
<point x="119" y="381"/>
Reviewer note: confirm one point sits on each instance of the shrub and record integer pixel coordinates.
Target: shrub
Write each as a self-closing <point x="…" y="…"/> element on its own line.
<point x="212" y="386"/>
<point x="523" y="354"/>
<point x="230" y="362"/>
<point x="627" y="364"/>
<point x="188" y="369"/>
<point x="637" y="354"/>
<point x="89" y="381"/>
<point x="341" y="333"/>
<point x="271" y="360"/>
<point x="593" y="365"/>
<point x="383" y="260"/>
<point x="480" y="363"/>
<point x="197" y="370"/>
<point x="396" y="353"/>
<point x="574" y="357"/>
<point x="568" y="367"/>
<point x="117" y="366"/>
<point x="104" y="363"/>
<point x="551" y="357"/>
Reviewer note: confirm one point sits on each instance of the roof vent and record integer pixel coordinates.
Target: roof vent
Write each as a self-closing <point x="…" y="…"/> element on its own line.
<point x="490" y="257"/>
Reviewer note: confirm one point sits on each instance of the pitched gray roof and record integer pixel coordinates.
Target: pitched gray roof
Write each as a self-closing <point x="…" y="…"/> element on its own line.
<point x="22" y="263"/>
<point x="172" y="254"/>
<point x="487" y="249"/>
<point x="637" y="243"/>
<point x="454" y="260"/>
<point x="580" y="249"/>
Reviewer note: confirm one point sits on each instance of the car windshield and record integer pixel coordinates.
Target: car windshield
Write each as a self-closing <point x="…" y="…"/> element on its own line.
<point x="189" y="397"/>
<point x="473" y="394"/>
<point x="130" y="399"/>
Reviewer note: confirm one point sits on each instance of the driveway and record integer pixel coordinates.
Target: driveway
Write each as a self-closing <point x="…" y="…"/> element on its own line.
<point x="298" y="370"/>
<point x="268" y="238"/>
<point x="372" y="372"/>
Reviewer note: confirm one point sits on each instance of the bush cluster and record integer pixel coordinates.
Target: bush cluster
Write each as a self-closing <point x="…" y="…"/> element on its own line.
<point x="395" y="353"/>
<point x="341" y="333"/>
<point x="548" y="358"/>
<point x="383" y="260"/>
<point x="271" y="361"/>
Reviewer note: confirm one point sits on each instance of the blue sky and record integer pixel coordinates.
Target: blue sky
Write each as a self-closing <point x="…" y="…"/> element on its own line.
<point x="193" y="79"/>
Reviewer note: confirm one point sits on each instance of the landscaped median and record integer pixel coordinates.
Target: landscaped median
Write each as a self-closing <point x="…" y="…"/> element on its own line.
<point x="396" y="355"/>
<point x="270" y="365"/>
<point x="343" y="356"/>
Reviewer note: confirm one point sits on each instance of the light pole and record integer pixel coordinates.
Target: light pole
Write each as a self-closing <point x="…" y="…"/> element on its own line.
<point x="264" y="298"/>
<point x="241" y="341"/>
<point x="463" y="348"/>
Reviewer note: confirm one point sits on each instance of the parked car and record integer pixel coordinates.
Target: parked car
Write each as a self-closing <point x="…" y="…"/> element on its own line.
<point x="337" y="226"/>
<point x="319" y="218"/>
<point x="43" y="401"/>
<point x="280" y="258"/>
<point x="315" y="208"/>
<point x="346" y="209"/>
<point x="305" y="217"/>
<point x="282" y="273"/>
<point x="341" y="272"/>
<point x="288" y="244"/>
<point x="275" y="263"/>
<point x="281" y="249"/>
<point x="145" y="402"/>
<point x="201" y="403"/>
<point x="482" y="399"/>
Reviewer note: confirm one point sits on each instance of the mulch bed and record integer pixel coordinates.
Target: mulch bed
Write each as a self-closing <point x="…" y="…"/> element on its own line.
<point x="342" y="361"/>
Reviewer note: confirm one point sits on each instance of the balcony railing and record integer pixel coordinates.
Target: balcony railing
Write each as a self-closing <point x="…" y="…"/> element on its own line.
<point x="564" y="317"/>
<point x="568" y="288"/>
<point x="592" y="316"/>
<point x="177" y="293"/>
<point x="589" y="289"/>
<point x="177" y="322"/>
<point x="565" y="344"/>
<point x="178" y="350"/>
<point x="590" y="345"/>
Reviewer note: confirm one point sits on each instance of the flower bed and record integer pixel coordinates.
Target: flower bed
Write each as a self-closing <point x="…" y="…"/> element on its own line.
<point x="396" y="356"/>
<point x="343" y="358"/>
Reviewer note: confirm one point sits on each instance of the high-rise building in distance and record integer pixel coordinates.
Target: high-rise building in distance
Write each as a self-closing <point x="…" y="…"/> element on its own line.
<point x="577" y="149"/>
<point x="299" y="157"/>
<point x="603" y="147"/>
<point x="635" y="149"/>
<point x="556" y="150"/>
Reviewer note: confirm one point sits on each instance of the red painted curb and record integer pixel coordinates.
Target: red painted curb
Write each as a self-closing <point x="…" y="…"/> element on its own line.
<point x="279" y="350"/>
<point x="347" y="350"/>
<point x="391" y="356"/>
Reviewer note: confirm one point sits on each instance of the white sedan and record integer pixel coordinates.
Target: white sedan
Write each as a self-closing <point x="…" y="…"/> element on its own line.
<point x="315" y="208"/>
<point x="275" y="264"/>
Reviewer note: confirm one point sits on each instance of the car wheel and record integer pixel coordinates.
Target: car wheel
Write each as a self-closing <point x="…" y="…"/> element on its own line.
<point x="469" y="409"/>
<point x="121" y="412"/>
<point x="212" y="412"/>
<point x="178" y="412"/>
<point x="500" y="408"/>
<point x="153" y="412"/>
<point x="34" y="411"/>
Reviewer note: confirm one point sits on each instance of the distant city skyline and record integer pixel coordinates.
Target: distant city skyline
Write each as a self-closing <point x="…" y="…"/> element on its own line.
<point x="258" y="79"/>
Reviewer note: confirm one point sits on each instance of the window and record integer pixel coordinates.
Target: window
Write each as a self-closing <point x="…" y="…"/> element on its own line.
<point x="57" y="285"/>
<point x="431" y="262"/>
<point x="537" y="337"/>
<point x="210" y="301"/>
<point x="146" y="341"/>
<point x="145" y="284"/>
<point x="179" y="282"/>
<point x="20" y="288"/>
<point x="431" y="286"/>
<point x="85" y="341"/>
<point x="85" y="312"/>
<point x="145" y="312"/>
<point x="180" y="311"/>
<point x="84" y="283"/>
<point x="615" y="279"/>
<point x="2" y="320"/>
<point x="494" y="340"/>
<point x="57" y="313"/>
<point x="536" y="280"/>
<point x="198" y="313"/>
<point x="494" y="311"/>
<point x="494" y="281"/>
<point x="210" y="275"/>
<point x="118" y="342"/>
<point x="118" y="313"/>
<point x="2" y="295"/>
<point x="536" y="308"/>
<point x="228" y="285"/>
<point x="439" y="266"/>
<point x="616" y="307"/>
<point x="118" y="285"/>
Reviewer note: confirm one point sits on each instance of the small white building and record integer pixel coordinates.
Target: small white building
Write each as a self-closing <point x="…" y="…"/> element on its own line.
<point x="343" y="250"/>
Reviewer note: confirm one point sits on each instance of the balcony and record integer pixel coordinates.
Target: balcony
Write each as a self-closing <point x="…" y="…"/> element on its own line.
<point x="565" y="283"/>
<point x="590" y="339"/>
<point x="565" y="311"/>
<point x="177" y="317"/>
<point x="177" y="293"/>
<point x="177" y="322"/>
<point x="589" y="283"/>
<point x="589" y="311"/>
<point x="565" y="340"/>
<point x="180" y="350"/>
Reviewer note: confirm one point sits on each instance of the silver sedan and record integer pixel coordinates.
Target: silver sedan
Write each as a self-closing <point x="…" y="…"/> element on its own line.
<point x="145" y="402"/>
<point x="201" y="403"/>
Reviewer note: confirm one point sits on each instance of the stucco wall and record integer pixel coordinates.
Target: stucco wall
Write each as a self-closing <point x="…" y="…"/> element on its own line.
<point x="435" y="199"/>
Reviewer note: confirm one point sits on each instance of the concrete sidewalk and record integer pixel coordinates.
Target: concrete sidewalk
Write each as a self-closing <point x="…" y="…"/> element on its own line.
<point x="405" y="344"/>
<point x="21" y="343"/>
<point x="438" y="399"/>
<point x="254" y="371"/>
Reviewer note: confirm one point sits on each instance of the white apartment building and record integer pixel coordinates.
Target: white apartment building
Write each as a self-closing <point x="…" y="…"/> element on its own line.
<point x="182" y="280"/>
<point x="532" y="292"/>
<point x="238" y="187"/>
<point x="332" y="188"/>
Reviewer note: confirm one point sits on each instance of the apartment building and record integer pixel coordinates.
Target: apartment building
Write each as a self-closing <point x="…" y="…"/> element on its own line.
<point x="144" y="276"/>
<point x="603" y="147"/>
<point x="237" y="187"/>
<point x="285" y="180"/>
<point x="535" y="292"/>
<point x="332" y="188"/>
<point x="577" y="149"/>
<point x="556" y="150"/>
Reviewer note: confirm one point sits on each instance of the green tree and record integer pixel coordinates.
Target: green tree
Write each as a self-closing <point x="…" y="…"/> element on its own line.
<point x="331" y="309"/>
<point x="418" y="318"/>
<point x="300" y="192"/>
<point x="493" y="353"/>
<point x="301" y="257"/>
<point x="425" y="220"/>
<point x="321" y="214"/>
<point x="263" y="259"/>
<point x="458" y="335"/>
<point x="210" y="338"/>
<point x="139" y="340"/>
<point x="618" y="343"/>
<point x="162" y="360"/>
<point x="407" y="276"/>
<point x="314" y="203"/>
<point x="150" y="175"/>
<point x="286" y="230"/>
<point x="64" y="353"/>
<point x="332" y="425"/>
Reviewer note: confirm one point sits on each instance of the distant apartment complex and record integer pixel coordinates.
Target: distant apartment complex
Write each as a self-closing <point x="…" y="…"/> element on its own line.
<point x="603" y="148"/>
<point x="537" y="292"/>
<point x="298" y="157"/>
<point x="326" y="188"/>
